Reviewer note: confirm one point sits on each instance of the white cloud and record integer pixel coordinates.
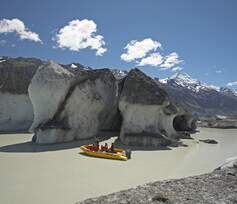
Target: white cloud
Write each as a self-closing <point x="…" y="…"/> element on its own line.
<point x="171" y="60"/>
<point x="139" y="49"/>
<point x="2" y="42"/>
<point x="218" y="71"/>
<point x="175" y="69"/>
<point x="17" y="26"/>
<point x="233" y="83"/>
<point x="144" y="53"/>
<point x="154" y="59"/>
<point x="80" y="34"/>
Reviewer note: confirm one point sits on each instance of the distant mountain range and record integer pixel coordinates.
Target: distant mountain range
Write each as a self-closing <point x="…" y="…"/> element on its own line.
<point x="199" y="98"/>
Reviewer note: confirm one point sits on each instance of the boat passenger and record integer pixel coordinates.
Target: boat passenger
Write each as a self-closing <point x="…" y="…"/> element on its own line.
<point x="97" y="146"/>
<point x="112" y="147"/>
<point x="92" y="147"/>
<point x="106" y="147"/>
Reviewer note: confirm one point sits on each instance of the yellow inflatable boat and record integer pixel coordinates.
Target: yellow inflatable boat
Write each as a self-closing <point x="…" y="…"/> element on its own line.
<point x="118" y="154"/>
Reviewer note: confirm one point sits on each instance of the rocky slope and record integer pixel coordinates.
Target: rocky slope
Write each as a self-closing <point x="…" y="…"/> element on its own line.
<point x="219" y="186"/>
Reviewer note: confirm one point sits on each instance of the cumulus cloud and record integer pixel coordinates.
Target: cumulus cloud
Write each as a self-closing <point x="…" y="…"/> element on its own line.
<point x="80" y="34"/>
<point x="139" y="49"/>
<point x="17" y="26"/>
<point x="171" y="60"/>
<point x="145" y="53"/>
<point x="154" y="59"/>
<point x="175" y="69"/>
<point x="233" y="83"/>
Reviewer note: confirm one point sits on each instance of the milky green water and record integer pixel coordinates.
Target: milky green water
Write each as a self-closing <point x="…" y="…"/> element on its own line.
<point x="32" y="175"/>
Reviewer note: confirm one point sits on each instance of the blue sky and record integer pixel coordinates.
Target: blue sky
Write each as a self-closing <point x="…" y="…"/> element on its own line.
<point x="202" y="33"/>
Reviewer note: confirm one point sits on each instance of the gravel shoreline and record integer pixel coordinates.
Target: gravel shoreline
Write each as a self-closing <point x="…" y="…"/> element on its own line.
<point x="219" y="186"/>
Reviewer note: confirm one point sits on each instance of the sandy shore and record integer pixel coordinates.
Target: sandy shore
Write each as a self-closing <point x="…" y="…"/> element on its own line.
<point x="33" y="174"/>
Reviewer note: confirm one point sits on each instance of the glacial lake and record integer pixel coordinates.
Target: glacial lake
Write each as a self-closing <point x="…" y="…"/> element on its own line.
<point x="31" y="174"/>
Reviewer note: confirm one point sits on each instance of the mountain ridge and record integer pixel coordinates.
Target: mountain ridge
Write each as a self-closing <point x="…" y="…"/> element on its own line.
<point x="200" y="98"/>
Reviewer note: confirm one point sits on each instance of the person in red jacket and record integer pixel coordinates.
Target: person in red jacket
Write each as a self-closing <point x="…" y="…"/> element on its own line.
<point x="95" y="147"/>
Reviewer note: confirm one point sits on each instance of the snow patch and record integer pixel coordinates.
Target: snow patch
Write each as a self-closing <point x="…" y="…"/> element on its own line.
<point x="221" y="116"/>
<point x="163" y="81"/>
<point x="87" y="68"/>
<point x="73" y="66"/>
<point x="119" y="73"/>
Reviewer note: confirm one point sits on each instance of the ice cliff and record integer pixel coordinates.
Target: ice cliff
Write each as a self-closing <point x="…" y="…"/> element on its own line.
<point x="16" y="112"/>
<point x="150" y="118"/>
<point x="60" y="103"/>
<point x="90" y="103"/>
<point x="69" y="106"/>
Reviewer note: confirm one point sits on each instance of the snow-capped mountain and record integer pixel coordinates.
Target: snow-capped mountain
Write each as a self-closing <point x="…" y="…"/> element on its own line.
<point x="119" y="74"/>
<point x="228" y="91"/>
<point x="200" y="98"/>
<point x="76" y="67"/>
<point x="186" y="81"/>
